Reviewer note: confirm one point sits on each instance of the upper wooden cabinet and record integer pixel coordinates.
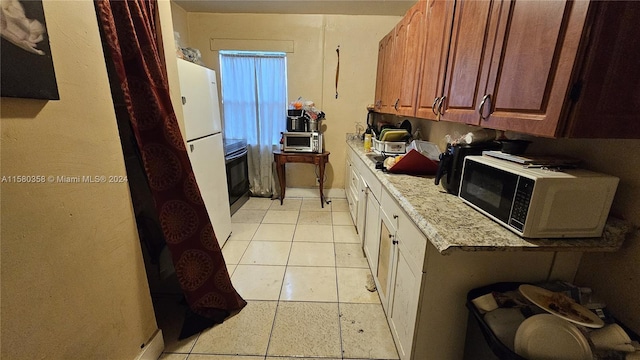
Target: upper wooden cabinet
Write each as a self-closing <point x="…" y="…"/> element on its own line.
<point x="385" y="74"/>
<point x="468" y="59"/>
<point x="555" y="68"/>
<point x="566" y="69"/>
<point x="534" y="54"/>
<point x="607" y="87"/>
<point x="510" y="63"/>
<point x="380" y="74"/>
<point x="439" y="17"/>
<point x="410" y="39"/>
<point x="399" y="62"/>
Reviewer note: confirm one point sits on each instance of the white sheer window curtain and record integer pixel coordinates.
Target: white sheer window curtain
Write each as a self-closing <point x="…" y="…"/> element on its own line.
<point x="254" y="98"/>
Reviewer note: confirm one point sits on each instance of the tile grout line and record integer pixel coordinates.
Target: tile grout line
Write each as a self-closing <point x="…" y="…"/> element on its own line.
<point x="284" y="274"/>
<point x="335" y="254"/>
<point x="277" y="301"/>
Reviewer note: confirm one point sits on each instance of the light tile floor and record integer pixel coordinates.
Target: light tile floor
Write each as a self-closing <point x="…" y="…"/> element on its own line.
<point x="302" y="271"/>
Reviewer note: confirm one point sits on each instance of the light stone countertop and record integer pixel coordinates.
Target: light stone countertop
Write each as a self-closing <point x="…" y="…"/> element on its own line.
<point x="452" y="225"/>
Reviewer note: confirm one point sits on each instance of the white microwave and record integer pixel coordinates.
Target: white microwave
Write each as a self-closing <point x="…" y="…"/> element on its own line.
<point x="310" y="142"/>
<point x="538" y="202"/>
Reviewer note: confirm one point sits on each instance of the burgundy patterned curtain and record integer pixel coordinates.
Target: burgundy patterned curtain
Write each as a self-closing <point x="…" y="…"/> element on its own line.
<point x="130" y="34"/>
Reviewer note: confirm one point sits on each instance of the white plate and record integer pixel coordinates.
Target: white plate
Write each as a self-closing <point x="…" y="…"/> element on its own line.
<point x="576" y="313"/>
<point x="547" y="337"/>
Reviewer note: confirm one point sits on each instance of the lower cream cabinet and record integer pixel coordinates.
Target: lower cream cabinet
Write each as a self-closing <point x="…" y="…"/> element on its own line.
<point x="386" y="258"/>
<point x="425" y="291"/>
<point x="356" y="191"/>
<point x="405" y="274"/>
<point x="403" y="307"/>
<point x="372" y="231"/>
<point x="351" y="184"/>
<point x="361" y="210"/>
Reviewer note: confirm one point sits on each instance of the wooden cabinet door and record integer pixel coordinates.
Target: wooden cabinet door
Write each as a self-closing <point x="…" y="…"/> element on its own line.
<point x="388" y="78"/>
<point x="380" y="74"/>
<point x="472" y="38"/>
<point x="533" y="59"/>
<point x="608" y="103"/>
<point x="410" y="40"/>
<point x="439" y="17"/>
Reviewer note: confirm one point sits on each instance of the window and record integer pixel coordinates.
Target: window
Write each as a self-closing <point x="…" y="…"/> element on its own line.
<point x="254" y="96"/>
<point x="254" y="101"/>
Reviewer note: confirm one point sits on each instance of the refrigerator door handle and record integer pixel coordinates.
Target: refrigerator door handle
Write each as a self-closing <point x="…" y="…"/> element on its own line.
<point x="184" y="100"/>
<point x="191" y="147"/>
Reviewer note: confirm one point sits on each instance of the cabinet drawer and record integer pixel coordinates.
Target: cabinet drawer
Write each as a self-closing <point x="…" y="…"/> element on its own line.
<point x="300" y="158"/>
<point x="351" y="199"/>
<point x="354" y="181"/>
<point x="375" y="186"/>
<point x="357" y="161"/>
<point x="391" y="207"/>
<point x="412" y="242"/>
<point x="353" y="205"/>
<point x="410" y="238"/>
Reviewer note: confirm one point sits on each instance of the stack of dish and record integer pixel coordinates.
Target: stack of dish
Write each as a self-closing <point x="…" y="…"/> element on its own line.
<point x="393" y="134"/>
<point x="554" y="335"/>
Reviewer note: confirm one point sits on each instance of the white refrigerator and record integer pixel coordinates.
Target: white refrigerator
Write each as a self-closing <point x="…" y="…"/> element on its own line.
<point x="203" y="128"/>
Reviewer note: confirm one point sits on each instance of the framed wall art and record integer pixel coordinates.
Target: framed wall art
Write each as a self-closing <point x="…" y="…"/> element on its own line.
<point x="26" y="65"/>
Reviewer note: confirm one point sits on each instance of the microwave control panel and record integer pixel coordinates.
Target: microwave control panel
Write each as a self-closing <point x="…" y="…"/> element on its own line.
<point x="521" y="202"/>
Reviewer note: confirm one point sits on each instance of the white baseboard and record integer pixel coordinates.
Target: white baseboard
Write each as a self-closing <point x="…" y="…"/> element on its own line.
<point x="314" y="193"/>
<point x="153" y="349"/>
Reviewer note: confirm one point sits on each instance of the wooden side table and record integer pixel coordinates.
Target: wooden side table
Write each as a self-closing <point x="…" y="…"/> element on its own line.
<point x="282" y="158"/>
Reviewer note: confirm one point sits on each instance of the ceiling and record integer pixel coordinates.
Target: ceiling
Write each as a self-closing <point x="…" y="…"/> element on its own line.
<point x="343" y="7"/>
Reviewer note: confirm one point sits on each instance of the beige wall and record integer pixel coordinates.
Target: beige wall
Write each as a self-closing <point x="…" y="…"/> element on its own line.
<point x="180" y="24"/>
<point x="615" y="277"/>
<point x="311" y="68"/>
<point x="166" y="11"/>
<point x="73" y="282"/>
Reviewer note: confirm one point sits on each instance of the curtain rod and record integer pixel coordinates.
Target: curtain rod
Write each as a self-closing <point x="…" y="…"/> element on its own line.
<point x="252" y="54"/>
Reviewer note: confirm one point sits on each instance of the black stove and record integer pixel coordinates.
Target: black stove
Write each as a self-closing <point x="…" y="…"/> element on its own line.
<point x="235" y="156"/>
<point x="234" y="146"/>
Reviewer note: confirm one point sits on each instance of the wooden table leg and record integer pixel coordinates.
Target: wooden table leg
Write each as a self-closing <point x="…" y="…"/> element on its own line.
<point x="281" y="178"/>
<point x="321" y="182"/>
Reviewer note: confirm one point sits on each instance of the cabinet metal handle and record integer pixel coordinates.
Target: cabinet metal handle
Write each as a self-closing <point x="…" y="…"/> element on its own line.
<point x="481" y="107"/>
<point x="395" y="242"/>
<point x="395" y="216"/>
<point x="395" y="106"/>
<point x="433" y="107"/>
<point x="440" y="105"/>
